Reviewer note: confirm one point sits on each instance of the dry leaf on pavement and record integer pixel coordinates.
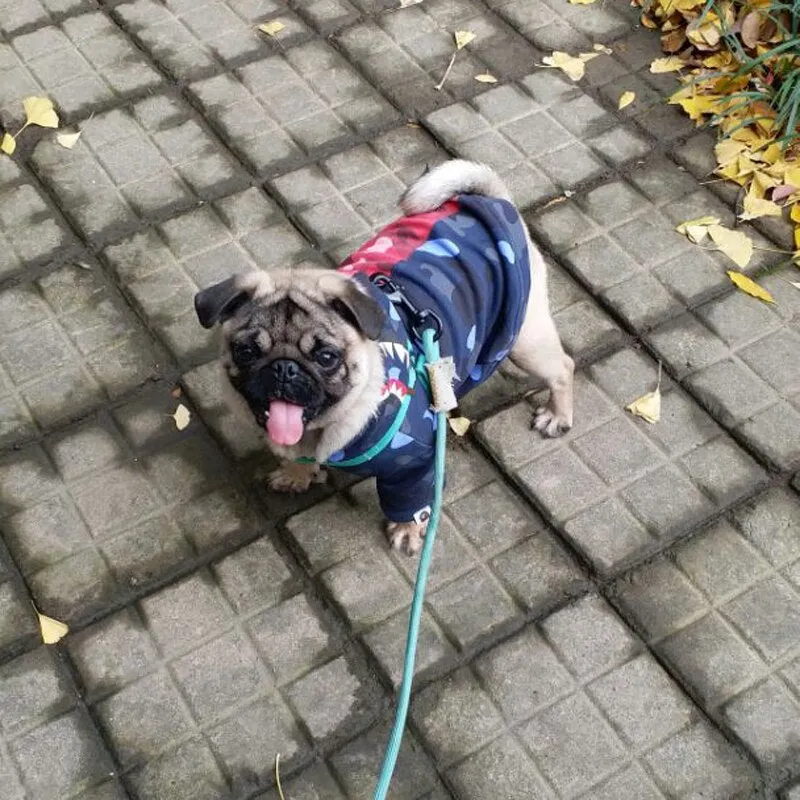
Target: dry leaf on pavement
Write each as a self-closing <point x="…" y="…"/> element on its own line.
<point x="485" y="77"/>
<point x="182" y="416"/>
<point x="51" y="629"/>
<point x="8" y="144"/>
<point x="68" y="140"/>
<point x="736" y="245"/>
<point x="625" y="99"/>
<point x="668" y="64"/>
<point x="648" y="406"/>
<point x="463" y="38"/>
<point x="755" y="207"/>
<point x="271" y="28"/>
<point x="459" y="425"/>
<point x="40" y="111"/>
<point x="573" y="67"/>
<point x="697" y="229"/>
<point x="750" y="286"/>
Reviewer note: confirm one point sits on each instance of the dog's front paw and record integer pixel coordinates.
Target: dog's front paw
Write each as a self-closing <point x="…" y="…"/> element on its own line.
<point x="550" y="423"/>
<point x="406" y="537"/>
<point x="292" y="476"/>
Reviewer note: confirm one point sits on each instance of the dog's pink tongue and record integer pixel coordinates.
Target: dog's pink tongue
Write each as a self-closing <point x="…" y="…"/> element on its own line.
<point x="285" y="423"/>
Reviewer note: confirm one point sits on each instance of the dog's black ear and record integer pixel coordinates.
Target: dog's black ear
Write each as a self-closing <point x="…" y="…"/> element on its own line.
<point x="360" y="310"/>
<point x="219" y="302"/>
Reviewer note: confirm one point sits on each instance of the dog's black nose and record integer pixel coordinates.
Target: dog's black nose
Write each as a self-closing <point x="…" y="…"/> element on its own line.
<point x="285" y="369"/>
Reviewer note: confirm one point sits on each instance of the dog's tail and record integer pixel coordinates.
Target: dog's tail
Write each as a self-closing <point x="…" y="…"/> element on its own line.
<point x="451" y="178"/>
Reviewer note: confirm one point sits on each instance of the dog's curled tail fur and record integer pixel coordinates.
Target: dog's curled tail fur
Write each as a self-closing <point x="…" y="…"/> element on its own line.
<point x="451" y="178"/>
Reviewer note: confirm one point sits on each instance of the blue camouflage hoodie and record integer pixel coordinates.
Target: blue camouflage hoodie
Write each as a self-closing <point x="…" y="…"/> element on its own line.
<point x="468" y="262"/>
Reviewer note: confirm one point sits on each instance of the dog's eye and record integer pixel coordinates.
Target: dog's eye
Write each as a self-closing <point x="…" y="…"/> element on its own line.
<point x="327" y="358"/>
<point x="245" y="352"/>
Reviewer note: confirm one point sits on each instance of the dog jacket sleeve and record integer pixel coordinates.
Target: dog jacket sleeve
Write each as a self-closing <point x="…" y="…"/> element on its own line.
<point x="468" y="262"/>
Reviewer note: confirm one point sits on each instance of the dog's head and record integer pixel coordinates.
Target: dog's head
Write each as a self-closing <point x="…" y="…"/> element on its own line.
<point x="298" y="344"/>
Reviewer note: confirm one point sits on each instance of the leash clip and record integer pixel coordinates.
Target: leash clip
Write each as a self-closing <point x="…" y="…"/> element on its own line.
<point x="420" y="320"/>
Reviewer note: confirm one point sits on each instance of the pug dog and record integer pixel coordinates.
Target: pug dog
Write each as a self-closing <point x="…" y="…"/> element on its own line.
<point x="329" y="362"/>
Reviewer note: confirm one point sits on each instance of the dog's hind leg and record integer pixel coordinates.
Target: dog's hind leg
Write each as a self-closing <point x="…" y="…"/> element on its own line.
<point x="538" y="352"/>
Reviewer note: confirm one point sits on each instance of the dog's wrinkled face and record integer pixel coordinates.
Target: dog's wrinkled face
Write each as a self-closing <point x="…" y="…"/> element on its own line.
<point x="296" y="344"/>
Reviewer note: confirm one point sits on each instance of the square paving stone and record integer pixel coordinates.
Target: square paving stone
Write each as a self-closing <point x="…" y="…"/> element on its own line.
<point x="518" y="136"/>
<point x="488" y="550"/>
<point x="18" y="628"/>
<point x="571" y="711"/>
<point x="358" y="764"/>
<point x="110" y="505"/>
<point x="192" y="41"/>
<point x="342" y="201"/>
<point x="724" y="611"/>
<point x="83" y="64"/>
<point x="620" y="239"/>
<point x="548" y="25"/>
<point x="741" y="358"/>
<point x="618" y="487"/>
<point x="408" y="65"/>
<point x="48" y="748"/>
<point x="281" y="109"/>
<point x="313" y="783"/>
<point x="197" y="682"/>
<point x="407" y="54"/>
<point x="162" y="268"/>
<point x="31" y="231"/>
<point x="27" y="14"/>
<point x="69" y="344"/>
<point x="534" y="135"/>
<point x="136" y="163"/>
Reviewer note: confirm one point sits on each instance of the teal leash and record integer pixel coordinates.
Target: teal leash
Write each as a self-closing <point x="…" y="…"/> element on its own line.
<point x="431" y="351"/>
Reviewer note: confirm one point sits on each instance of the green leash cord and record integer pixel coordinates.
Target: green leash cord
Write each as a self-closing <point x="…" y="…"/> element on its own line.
<point x="431" y="350"/>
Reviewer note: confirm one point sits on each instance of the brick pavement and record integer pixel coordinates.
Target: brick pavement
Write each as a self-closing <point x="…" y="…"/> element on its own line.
<point x="614" y="615"/>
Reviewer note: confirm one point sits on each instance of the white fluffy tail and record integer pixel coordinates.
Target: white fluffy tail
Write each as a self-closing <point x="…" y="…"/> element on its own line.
<point x="451" y="178"/>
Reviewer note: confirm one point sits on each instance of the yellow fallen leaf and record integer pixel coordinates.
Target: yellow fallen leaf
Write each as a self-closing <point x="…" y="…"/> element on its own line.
<point x="181" y="416"/>
<point x="485" y="77"/>
<point x="463" y="38"/>
<point x="750" y="286"/>
<point x="696" y="106"/>
<point x="794" y="214"/>
<point x="407" y="3"/>
<point x="625" y="99"/>
<point x="792" y="176"/>
<point x="573" y="67"/>
<point x="51" y="629"/>
<point x="734" y="244"/>
<point x="8" y="145"/>
<point x="39" y="111"/>
<point x="648" y="407"/>
<point x="602" y="48"/>
<point x="755" y="207"/>
<point x="581" y="2"/>
<point x="668" y="64"/>
<point x="68" y="140"/>
<point x="271" y="28"/>
<point x="697" y="229"/>
<point x="459" y="425"/>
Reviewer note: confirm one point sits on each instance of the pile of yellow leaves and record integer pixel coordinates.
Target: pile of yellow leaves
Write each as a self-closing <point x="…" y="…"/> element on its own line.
<point x="748" y="152"/>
